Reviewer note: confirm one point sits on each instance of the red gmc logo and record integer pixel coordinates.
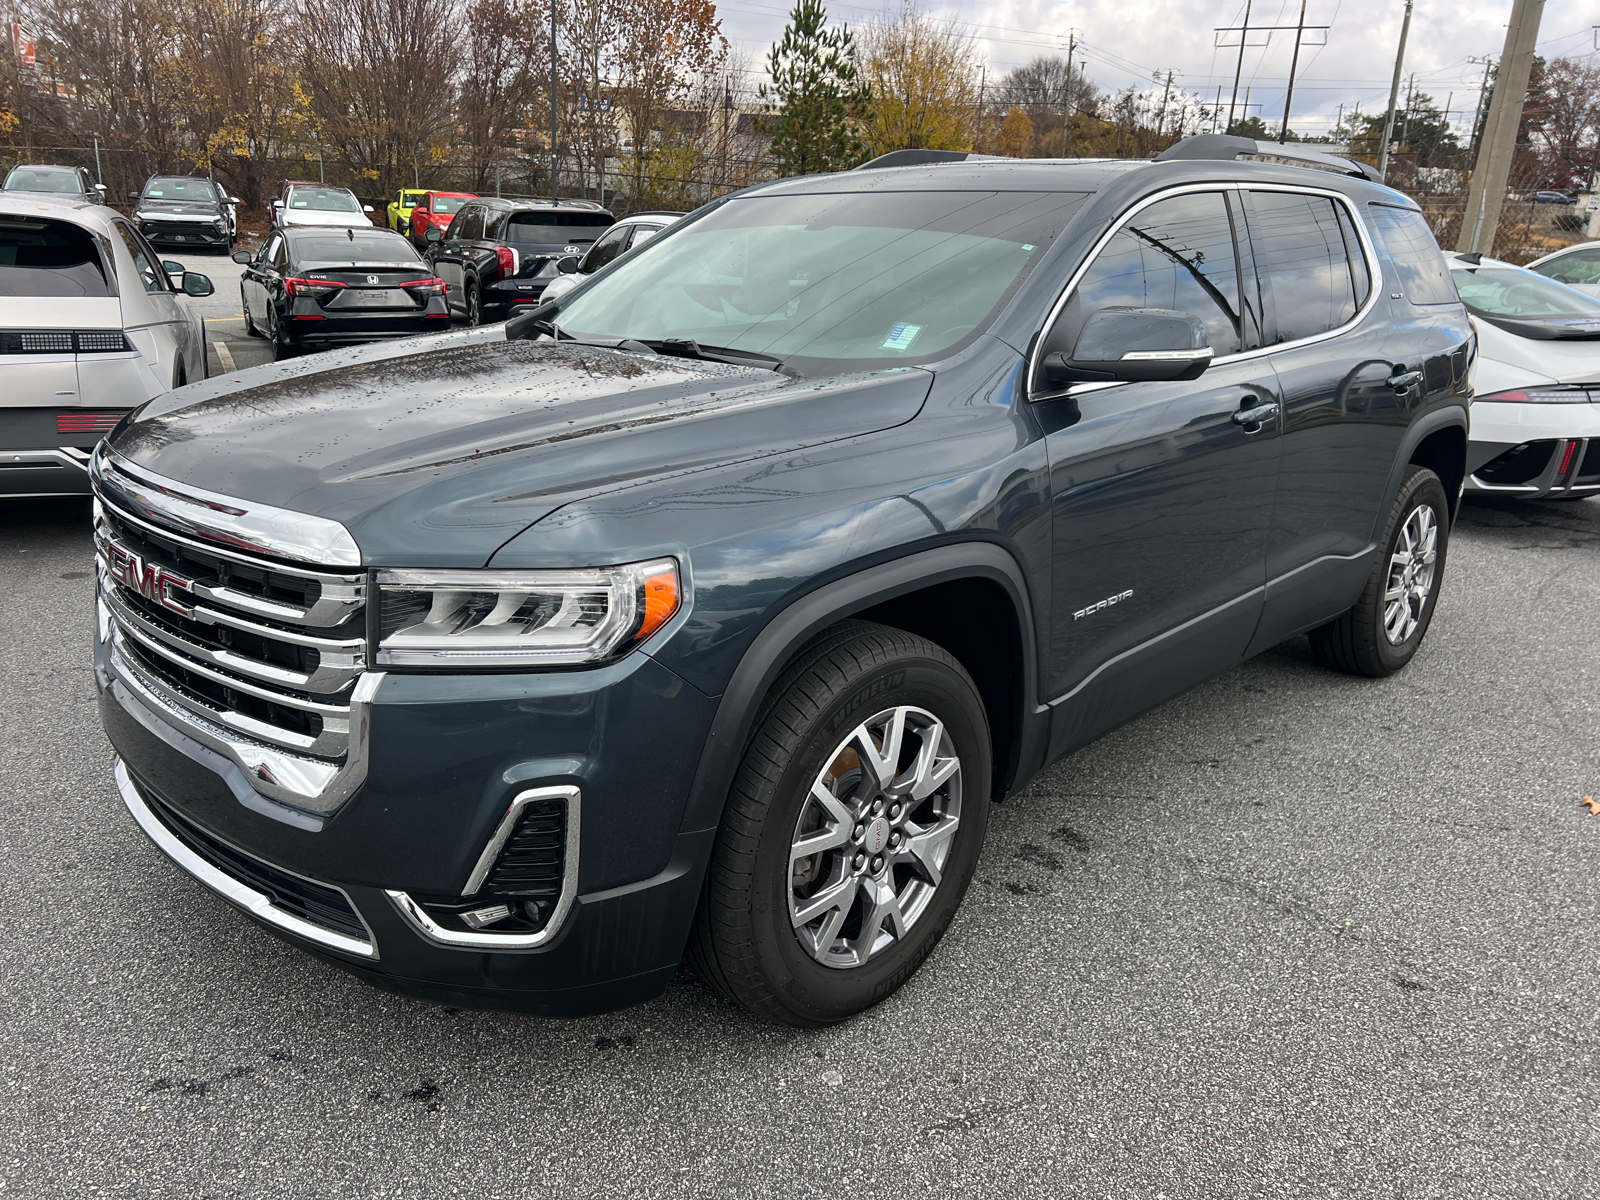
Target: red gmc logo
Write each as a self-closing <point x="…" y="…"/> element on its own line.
<point x="155" y="583"/>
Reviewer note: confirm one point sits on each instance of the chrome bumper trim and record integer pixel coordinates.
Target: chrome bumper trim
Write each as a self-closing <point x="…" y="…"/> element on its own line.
<point x="485" y="939"/>
<point x="62" y="456"/>
<point x="234" y="891"/>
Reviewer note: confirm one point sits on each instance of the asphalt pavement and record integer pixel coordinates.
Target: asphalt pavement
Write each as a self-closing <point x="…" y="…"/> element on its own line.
<point x="1291" y="935"/>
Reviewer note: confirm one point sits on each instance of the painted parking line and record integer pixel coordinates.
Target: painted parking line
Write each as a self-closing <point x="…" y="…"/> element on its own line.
<point x="224" y="356"/>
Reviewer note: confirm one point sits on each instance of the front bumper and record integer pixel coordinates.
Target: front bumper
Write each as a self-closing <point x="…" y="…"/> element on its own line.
<point x="445" y="755"/>
<point x="59" y="471"/>
<point x="1534" y="451"/>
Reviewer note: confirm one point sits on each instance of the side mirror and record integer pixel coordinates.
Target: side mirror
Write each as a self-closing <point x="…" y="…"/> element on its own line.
<point x="101" y="188"/>
<point x="1134" y="345"/>
<point x="195" y="284"/>
<point x="172" y="268"/>
<point x="366" y="208"/>
<point x="568" y="265"/>
<point x="134" y="196"/>
<point x="243" y="257"/>
<point x="234" y="200"/>
<point x="432" y="234"/>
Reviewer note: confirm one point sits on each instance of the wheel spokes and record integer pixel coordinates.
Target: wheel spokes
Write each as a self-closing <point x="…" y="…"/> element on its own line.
<point x="838" y="896"/>
<point x="929" y="771"/>
<point x="882" y="908"/>
<point x="924" y="848"/>
<point x="883" y="762"/>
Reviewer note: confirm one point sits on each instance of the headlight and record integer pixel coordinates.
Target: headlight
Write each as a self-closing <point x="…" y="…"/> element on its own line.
<point x="221" y="222"/>
<point x="522" y="618"/>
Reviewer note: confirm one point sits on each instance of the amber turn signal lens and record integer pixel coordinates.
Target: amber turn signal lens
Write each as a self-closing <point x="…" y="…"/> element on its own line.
<point x="660" y="601"/>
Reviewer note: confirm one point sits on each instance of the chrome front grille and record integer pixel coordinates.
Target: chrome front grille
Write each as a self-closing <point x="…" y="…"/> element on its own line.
<point x="270" y="654"/>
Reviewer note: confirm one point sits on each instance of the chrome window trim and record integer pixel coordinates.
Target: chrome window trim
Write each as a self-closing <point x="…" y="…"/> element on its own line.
<point x="486" y="939"/>
<point x="1374" y="273"/>
<point x="235" y="891"/>
<point x="279" y="532"/>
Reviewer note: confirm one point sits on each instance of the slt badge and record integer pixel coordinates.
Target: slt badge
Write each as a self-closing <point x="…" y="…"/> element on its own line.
<point x="152" y="581"/>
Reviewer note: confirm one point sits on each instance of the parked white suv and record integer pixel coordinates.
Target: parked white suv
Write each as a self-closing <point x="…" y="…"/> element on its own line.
<point x="92" y="323"/>
<point x="625" y="235"/>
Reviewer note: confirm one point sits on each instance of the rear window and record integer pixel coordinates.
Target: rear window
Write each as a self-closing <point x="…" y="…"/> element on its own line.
<point x="324" y="250"/>
<point x="1408" y="246"/>
<point x="42" y="179"/>
<point x="535" y="228"/>
<point x="49" y="258"/>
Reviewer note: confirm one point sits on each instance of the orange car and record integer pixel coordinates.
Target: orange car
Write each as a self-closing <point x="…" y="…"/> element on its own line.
<point x="435" y="209"/>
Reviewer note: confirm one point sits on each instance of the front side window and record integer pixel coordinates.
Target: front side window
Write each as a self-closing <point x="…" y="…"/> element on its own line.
<point x="468" y="225"/>
<point x="1303" y="262"/>
<point x="603" y="251"/>
<point x="49" y="258"/>
<point x="1176" y="254"/>
<point x="148" y="269"/>
<point x="1408" y="248"/>
<point x="825" y="282"/>
<point x="1580" y="267"/>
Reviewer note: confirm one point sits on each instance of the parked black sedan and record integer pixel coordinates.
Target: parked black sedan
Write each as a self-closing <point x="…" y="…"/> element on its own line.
<point x="498" y="254"/>
<point x="185" y="210"/>
<point x="311" y="288"/>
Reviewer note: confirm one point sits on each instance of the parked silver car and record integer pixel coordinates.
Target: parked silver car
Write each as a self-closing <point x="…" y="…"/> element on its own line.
<point x="92" y="323"/>
<point x="318" y="204"/>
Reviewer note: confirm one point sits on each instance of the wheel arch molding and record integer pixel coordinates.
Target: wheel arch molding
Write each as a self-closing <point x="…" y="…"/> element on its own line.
<point x="905" y="593"/>
<point x="1436" y="440"/>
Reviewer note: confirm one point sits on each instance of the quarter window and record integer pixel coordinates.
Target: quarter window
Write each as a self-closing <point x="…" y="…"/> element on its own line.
<point x="1176" y="254"/>
<point x="1407" y="245"/>
<point x="1303" y="263"/>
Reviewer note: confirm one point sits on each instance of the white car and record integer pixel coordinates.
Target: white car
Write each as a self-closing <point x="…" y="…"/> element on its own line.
<point x="1576" y="266"/>
<point x="1536" y="405"/>
<point x="627" y="234"/>
<point x="314" y="204"/>
<point x="92" y="323"/>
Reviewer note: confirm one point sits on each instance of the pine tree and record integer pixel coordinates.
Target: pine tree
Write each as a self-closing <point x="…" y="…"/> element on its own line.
<point x="817" y="96"/>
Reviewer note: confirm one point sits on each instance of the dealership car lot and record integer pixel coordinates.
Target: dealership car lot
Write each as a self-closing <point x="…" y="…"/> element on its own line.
<point x="1292" y="934"/>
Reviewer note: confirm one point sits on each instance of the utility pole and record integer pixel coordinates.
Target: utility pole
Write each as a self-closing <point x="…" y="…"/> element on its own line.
<point x="1166" y="93"/>
<point x="1477" y="110"/>
<point x="1394" y="93"/>
<point x="1216" y="110"/>
<point x="555" y="165"/>
<point x="1493" y="168"/>
<point x="1238" y="70"/>
<point x="1066" y="96"/>
<point x="98" y="178"/>
<point x="1294" y="63"/>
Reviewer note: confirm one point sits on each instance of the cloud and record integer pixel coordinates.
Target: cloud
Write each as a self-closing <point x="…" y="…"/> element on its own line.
<point x="1126" y="41"/>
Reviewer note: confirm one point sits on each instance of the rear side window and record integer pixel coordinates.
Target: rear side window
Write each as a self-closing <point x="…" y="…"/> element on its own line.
<point x="49" y="258"/>
<point x="1407" y="244"/>
<point x="1580" y="267"/>
<point x="1177" y="254"/>
<point x="1303" y="262"/>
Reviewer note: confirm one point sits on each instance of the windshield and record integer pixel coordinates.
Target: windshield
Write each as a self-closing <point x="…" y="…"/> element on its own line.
<point x="449" y="204"/>
<point x="196" y="191"/>
<point x="411" y="199"/>
<point x="42" y="179"/>
<point x="858" y="279"/>
<point x="1513" y="292"/>
<point x="543" y="228"/>
<point x="326" y="251"/>
<point x="48" y="258"/>
<point x="324" y="199"/>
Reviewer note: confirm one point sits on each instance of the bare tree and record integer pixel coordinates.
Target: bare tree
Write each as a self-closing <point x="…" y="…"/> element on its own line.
<point x="505" y="71"/>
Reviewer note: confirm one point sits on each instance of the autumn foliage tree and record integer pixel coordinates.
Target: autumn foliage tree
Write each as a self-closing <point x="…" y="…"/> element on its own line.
<point x="925" y="76"/>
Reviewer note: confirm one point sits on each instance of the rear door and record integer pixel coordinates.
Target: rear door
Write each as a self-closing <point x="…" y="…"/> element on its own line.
<point x="153" y="318"/>
<point x="449" y="254"/>
<point x="1162" y="492"/>
<point x="1354" y="373"/>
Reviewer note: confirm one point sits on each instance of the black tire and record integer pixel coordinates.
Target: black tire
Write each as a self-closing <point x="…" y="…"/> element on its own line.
<point x="474" y="304"/>
<point x="282" y="347"/>
<point x="1356" y="641"/>
<point x="743" y="942"/>
<point x="249" y="321"/>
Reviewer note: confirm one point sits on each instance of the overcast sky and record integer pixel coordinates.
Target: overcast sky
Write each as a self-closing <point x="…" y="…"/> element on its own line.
<point x="1127" y="41"/>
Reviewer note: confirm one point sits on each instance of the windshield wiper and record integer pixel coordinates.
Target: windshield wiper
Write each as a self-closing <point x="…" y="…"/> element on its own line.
<point x="689" y="348"/>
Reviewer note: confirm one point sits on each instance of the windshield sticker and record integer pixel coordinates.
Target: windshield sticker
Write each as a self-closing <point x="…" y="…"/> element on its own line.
<point x="901" y="336"/>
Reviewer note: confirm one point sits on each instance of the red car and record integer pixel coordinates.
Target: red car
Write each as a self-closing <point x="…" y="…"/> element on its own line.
<point x="435" y="209"/>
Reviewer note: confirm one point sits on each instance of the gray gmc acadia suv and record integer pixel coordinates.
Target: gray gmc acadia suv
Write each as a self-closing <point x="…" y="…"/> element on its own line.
<point x="707" y="608"/>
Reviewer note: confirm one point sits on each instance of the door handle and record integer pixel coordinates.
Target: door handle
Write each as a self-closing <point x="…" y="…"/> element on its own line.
<point x="1251" y="419"/>
<point x="1402" y="381"/>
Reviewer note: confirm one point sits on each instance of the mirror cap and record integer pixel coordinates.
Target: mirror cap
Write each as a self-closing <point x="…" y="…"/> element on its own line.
<point x="243" y="257"/>
<point x="1134" y="345"/>
<point x="195" y="284"/>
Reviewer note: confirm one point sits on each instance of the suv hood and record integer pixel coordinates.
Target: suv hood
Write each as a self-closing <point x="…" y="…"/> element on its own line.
<point x="436" y="453"/>
<point x="322" y="216"/>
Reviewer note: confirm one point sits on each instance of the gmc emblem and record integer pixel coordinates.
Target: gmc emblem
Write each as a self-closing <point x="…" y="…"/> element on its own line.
<point x="155" y="583"/>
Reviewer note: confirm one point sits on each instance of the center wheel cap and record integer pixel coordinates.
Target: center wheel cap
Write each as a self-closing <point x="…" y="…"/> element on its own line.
<point x="876" y="836"/>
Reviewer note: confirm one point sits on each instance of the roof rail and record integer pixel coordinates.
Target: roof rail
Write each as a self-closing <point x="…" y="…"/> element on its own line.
<point x="1294" y="154"/>
<point x="920" y="158"/>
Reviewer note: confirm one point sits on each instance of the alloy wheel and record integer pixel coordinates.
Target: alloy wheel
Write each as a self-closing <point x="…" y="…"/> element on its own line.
<point x="1411" y="572"/>
<point x="873" y="837"/>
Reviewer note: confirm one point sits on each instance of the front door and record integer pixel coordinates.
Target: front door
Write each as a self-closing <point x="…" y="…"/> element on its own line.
<point x="1162" y="492"/>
